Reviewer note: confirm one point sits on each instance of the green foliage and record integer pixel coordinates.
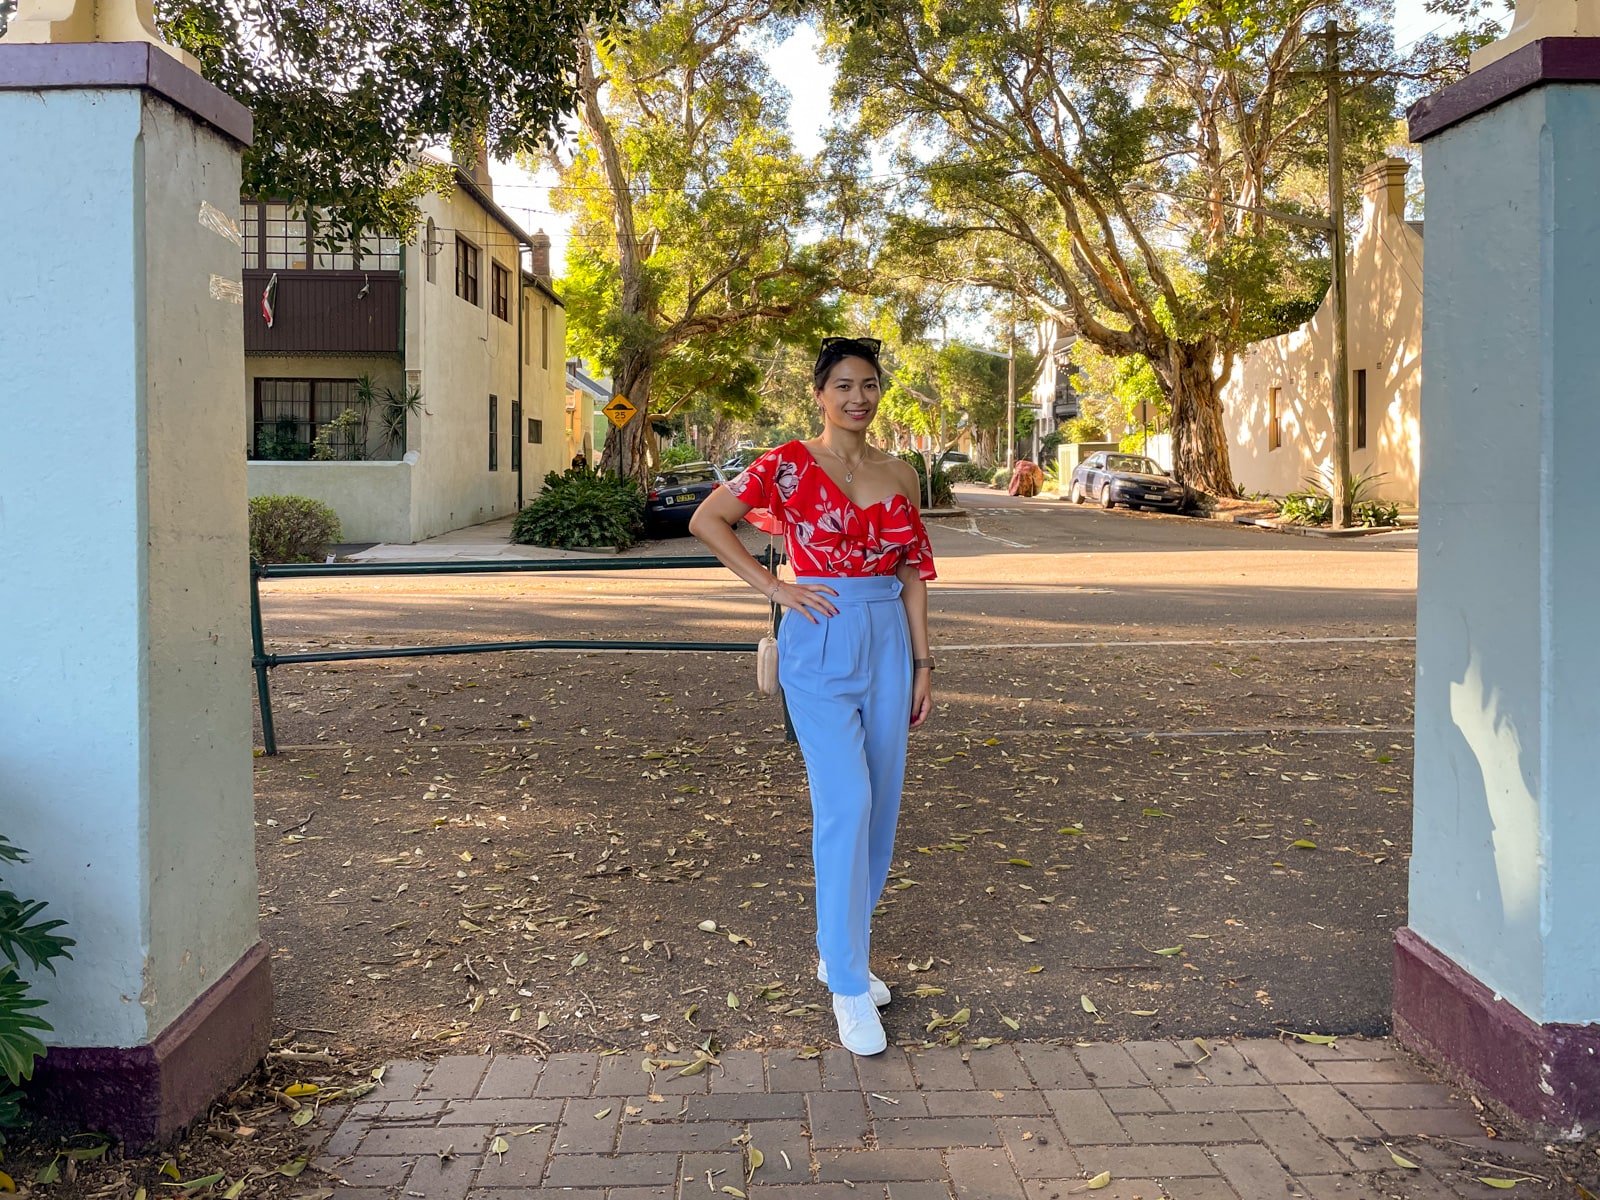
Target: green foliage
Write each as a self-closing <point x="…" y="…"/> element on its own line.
<point x="343" y="439"/>
<point x="679" y="453"/>
<point x="683" y="139"/>
<point x="342" y="93"/>
<point x="1313" y="504"/>
<point x="1083" y="429"/>
<point x="291" y="529"/>
<point x="582" y="508"/>
<point x="280" y="442"/>
<point x="22" y="936"/>
<point x="943" y="497"/>
<point x="968" y="472"/>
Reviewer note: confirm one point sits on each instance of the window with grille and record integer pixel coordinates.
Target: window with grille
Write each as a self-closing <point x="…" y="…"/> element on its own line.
<point x="500" y="291"/>
<point x="281" y="237"/>
<point x="516" y="442"/>
<point x="466" y="270"/>
<point x="290" y="413"/>
<point x="536" y="431"/>
<point x="544" y="336"/>
<point x="430" y="251"/>
<point x="1274" y="420"/>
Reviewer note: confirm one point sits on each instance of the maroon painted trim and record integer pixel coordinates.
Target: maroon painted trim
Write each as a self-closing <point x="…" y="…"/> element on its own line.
<point x="1447" y="1016"/>
<point x="123" y="65"/>
<point x="1548" y="60"/>
<point x="145" y="1094"/>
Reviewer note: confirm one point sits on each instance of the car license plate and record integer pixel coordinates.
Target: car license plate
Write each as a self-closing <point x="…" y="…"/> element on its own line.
<point x="1156" y="496"/>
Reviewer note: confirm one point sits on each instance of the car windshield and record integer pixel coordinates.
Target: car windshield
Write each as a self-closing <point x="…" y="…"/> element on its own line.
<point x="683" y="476"/>
<point x="1134" y="464"/>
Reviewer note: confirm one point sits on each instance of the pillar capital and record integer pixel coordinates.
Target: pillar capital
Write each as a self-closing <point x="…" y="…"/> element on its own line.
<point x="54" y="22"/>
<point x="1537" y="19"/>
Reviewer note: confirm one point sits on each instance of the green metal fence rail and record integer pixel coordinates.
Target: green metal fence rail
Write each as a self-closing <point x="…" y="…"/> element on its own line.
<point x="262" y="662"/>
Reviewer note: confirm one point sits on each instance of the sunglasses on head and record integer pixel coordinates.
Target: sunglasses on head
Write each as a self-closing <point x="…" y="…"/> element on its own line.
<point x="870" y="344"/>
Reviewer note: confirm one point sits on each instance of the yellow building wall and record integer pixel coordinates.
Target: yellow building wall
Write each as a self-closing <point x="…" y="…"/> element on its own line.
<point x="1384" y="332"/>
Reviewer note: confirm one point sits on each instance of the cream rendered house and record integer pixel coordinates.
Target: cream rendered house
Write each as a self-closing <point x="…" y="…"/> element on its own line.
<point x="464" y="314"/>
<point x="1278" y="405"/>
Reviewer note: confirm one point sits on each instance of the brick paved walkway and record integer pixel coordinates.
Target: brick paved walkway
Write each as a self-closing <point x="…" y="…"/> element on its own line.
<point x="1258" y="1120"/>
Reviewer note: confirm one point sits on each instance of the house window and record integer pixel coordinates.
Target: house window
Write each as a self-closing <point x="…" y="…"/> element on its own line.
<point x="283" y="237"/>
<point x="536" y="431"/>
<point x="466" y="270"/>
<point x="527" y="338"/>
<point x="544" y="336"/>
<point x="500" y="291"/>
<point x="516" y="442"/>
<point x="430" y="251"/>
<point x="289" y="413"/>
<point x="1361" y="410"/>
<point x="494" y="433"/>
<point x="1274" y="420"/>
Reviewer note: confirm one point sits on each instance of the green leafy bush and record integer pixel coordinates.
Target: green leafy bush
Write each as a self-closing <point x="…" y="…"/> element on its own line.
<point x="679" y="453"/>
<point x="1313" y="504"/>
<point x="968" y="472"/>
<point x="291" y="529"/>
<point x="582" y="508"/>
<point x="1083" y="429"/>
<point x="943" y="496"/>
<point x="1001" y="476"/>
<point x="22" y="936"/>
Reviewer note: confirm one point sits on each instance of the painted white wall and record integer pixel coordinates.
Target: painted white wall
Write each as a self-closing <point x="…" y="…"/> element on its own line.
<point x="124" y="703"/>
<point x="1384" y="331"/>
<point x="373" y="499"/>
<point x="1507" y="830"/>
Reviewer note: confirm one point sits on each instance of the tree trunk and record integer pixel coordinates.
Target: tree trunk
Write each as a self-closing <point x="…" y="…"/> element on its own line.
<point x="625" y="450"/>
<point x="1199" y="439"/>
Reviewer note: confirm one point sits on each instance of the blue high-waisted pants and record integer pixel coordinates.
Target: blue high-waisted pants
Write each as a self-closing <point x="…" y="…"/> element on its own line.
<point x="847" y="681"/>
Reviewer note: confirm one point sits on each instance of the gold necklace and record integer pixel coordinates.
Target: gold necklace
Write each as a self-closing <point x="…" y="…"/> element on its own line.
<point x="849" y="471"/>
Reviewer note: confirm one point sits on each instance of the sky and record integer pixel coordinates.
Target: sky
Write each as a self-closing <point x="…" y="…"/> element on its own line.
<point x="796" y="64"/>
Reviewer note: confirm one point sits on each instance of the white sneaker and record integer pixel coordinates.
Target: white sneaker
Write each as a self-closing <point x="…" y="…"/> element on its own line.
<point x="876" y="988"/>
<point x="860" y="1030"/>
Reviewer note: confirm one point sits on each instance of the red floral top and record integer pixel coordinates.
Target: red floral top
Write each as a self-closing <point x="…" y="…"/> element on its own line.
<point x="824" y="531"/>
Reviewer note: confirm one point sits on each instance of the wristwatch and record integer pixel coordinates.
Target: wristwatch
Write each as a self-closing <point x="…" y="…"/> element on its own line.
<point x="918" y="663"/>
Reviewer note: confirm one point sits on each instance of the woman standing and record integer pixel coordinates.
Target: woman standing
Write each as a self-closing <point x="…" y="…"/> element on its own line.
<point x="856" y="672"/>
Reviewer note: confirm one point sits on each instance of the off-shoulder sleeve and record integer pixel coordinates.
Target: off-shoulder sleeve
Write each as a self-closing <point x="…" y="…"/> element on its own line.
<point x="920" y="553"/>
<point x="757" y="486"/>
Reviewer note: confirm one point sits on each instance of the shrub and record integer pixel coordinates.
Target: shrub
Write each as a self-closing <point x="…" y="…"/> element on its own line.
<point x="679" y="453"/>
<point x="22" y="935"/>
<point x="1377" y="513"/>
<point x="1083" y="429"/>
<point x="1049" y="444"/>
<point x="582" y="508"/>
<point x="291" y="529"/>
<point x="1313" y="504"/>
<point x="1001" y="477"/>
<point x="968" y="472"/>
<point x="943" y="497"/>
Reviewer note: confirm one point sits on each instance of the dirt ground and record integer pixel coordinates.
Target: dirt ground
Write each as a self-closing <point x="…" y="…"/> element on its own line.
<point x="589" y="851"/>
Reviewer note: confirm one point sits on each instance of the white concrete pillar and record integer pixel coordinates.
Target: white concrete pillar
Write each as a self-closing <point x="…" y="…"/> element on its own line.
<point x="125" y="760"/>
<point x="1498" y="975"/>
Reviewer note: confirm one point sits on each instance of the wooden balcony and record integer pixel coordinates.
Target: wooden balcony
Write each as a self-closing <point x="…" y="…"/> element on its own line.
<point x="325" y="312"/>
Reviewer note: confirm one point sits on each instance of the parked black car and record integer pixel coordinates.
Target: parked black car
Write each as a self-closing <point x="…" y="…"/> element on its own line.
<point x="676" y="493"/>
<point x="1132" y="479"/>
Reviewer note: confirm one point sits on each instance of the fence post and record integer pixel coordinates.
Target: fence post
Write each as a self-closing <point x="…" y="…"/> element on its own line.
<point x="258" y="661"/>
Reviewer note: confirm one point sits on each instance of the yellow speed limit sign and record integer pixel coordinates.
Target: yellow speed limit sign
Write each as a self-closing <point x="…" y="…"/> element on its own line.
<point x="619" y="411"/>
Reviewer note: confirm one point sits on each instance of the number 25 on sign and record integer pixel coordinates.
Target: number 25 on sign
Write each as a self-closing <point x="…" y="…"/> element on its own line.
<point x="619" y="411"/>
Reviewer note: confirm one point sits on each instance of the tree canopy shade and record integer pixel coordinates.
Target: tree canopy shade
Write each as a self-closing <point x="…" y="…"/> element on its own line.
<point x="345" y="92"/>
<point x="699" y="241"/>
<point x="1110" y="161"/>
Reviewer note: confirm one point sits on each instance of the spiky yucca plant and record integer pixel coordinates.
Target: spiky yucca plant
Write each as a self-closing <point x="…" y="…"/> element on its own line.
<point x="22" y="936"/>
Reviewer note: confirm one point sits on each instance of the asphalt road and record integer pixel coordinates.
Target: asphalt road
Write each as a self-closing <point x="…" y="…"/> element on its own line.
<point x="1013" y="573"/>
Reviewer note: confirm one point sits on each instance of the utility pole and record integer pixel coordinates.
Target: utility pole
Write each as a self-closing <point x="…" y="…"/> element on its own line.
<point x="1341" y="347"/>
<point x="1011" y="397"/>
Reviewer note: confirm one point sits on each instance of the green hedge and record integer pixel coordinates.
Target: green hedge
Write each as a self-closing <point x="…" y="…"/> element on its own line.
<point x="286" y="529"/>
<point x="582" y="509"/>
<point x="968" y="472"/>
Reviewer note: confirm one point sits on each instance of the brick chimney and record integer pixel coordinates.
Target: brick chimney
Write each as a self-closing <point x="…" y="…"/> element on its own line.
<point x="539" y="256"/>
<point x="1383" y="184"/>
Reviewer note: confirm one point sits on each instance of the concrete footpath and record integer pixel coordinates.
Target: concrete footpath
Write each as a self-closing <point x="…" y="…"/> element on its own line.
<point x="1253" y="1120"/>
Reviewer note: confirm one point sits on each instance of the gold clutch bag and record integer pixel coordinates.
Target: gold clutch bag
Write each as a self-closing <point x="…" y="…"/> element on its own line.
<point x="767" y="666"/>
